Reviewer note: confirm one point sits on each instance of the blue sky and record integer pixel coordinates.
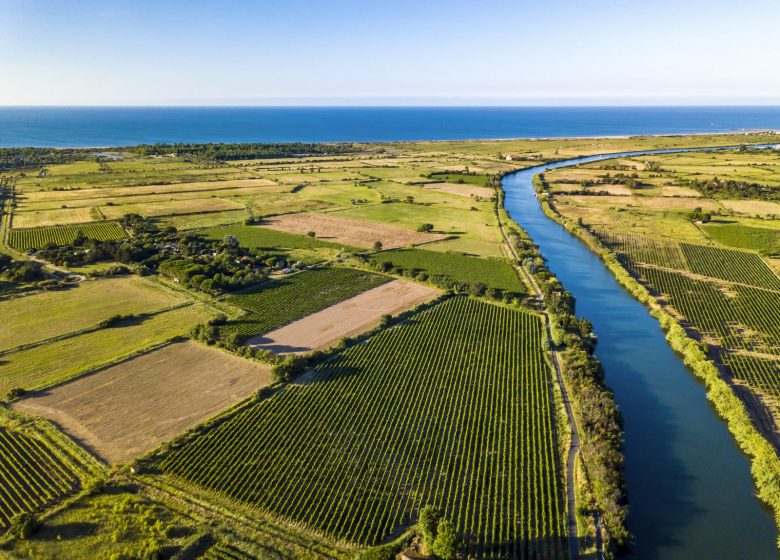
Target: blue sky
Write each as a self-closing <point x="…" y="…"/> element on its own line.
<point x="422" y="52"/>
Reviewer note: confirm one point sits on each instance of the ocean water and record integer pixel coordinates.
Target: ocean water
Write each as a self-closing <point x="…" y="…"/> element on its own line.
<point x="115" y="126"/>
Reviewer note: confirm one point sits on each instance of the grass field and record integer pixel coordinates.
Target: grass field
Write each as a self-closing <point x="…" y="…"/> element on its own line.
<point x="53" y="363"/>
<point x="439" y="409"/>
<point x="45" y="315"/>
<point x="257" y="237"/>
<point x="23" y="239"/>
<point x="284" y="300"/>
<point x="493" y="273"/>
<point x="764" y="240"/>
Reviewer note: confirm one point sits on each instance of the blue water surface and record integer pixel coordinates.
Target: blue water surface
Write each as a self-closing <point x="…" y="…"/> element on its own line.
<point x="123" y="126"/>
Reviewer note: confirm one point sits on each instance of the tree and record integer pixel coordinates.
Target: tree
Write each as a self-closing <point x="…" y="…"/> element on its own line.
<point x="425" y="228"/>
<point x="22" y="525"/>
<point x="231" y="242"/>
<point x="377" y="245"/>
<point x="311" y="234"/>
<point x="429" y="521"/>
<point x="447" y="540"/>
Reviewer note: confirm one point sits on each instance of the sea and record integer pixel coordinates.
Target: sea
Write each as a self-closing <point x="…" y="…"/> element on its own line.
<point x="126" y="126"/>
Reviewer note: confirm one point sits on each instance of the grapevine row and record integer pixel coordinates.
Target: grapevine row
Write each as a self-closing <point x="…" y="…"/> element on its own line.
<point x="451" y="408"/>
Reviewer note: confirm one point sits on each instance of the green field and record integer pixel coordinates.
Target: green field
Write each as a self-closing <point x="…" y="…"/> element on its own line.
<point x="53" y="363"/>
<point x="733" y="303"/>
<point x="492" y="272"/>
<point x="32" y="477"/>
<point x="44" y="315"/>
<point x="764" y="240"/>
<point x="453" y="407"/>
<point x="23" y="239"/>
<point x="280" y="301"/>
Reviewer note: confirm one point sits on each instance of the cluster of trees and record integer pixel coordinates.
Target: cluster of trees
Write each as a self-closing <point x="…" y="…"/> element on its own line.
<point x="20" y="271"/>
<point x="22" y="158"/>
<point x="730" y="188"/>
<point x="698" y="215"/>
<point x="253" y="150"/>
<point x="284" y="368"/>
<point x="440" y="537"/>
<point x="630" y="181"/>
<point x="600" y="419"/>
<point x="449" y="283"/>
<point x="210" y="266"/>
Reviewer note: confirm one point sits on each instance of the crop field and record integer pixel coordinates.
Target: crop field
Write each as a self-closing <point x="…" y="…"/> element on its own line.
<point x="38" y="468"/>
<point x="256" y="237"/>
<point x="492" y="272"/>
<point x="733" y="301"/>
<point x="357" y="233"/>
<point x="168" y="390"/>
<point x="280" y="301"/>
<point x="436" y="410"/>
<point x="45" y="315"/>
<point x="49" y="364"/>
<point x="350" y="317"/>
<point x="23" y="239"/>
<point x="734" y="266"/>
<point x="762" y="239"/>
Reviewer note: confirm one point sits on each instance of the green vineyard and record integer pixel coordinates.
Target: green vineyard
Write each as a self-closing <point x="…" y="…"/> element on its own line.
<point x="741" y="320"/>
<point x="730" y="265"/>
<point x="733" y="301"/>
<point x="31" y="476"/>
<point x="37" y="238"/>
<point x="223" y="551"/>
<point x="281" y="301"/>
<point x="452" y="407"/>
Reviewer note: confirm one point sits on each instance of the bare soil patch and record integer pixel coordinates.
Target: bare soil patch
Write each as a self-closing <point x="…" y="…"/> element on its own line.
<point x="460" y="189"/>
<point x="348" y="318"/>
<point x="680" y="191"/>
<point x="358" y="233"/>
<point x="126" y="410"/>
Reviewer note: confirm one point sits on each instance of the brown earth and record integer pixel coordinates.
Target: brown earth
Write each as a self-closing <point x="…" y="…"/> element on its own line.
<point x="358" y="233"/>
<point x="348" y="318"/>
<point x="460" y="189"/>
<point x="126" y="410"/>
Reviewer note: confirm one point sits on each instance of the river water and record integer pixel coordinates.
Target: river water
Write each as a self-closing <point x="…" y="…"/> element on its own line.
<point x="691" y="495"/>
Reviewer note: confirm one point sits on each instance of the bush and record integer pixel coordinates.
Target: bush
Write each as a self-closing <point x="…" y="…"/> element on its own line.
<point x="23" y="525"/>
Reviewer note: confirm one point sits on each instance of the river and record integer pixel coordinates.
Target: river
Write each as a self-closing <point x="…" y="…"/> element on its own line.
<point x="691" y="495"/>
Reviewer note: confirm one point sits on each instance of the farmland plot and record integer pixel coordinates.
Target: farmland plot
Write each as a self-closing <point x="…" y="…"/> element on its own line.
<point x="452" y="407"/>
<point x="162" y="394"/>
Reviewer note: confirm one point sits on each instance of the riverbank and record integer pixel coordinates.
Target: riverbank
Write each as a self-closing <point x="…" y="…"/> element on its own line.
<point x="765" y="464"/>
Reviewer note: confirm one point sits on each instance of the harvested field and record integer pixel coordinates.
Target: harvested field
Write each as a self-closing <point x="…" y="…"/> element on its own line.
<point x="52" y="217"/>
<point x="461" y="189"/>
<point x="753" y="207"/>
<point x="127" y="410"/>
<point x="348" y="318"/>
<point x="680" y="191"/>
<point x="358" y="233"/>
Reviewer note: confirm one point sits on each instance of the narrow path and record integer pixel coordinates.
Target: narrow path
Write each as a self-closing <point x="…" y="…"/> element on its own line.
<point x="574" y="442"/>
